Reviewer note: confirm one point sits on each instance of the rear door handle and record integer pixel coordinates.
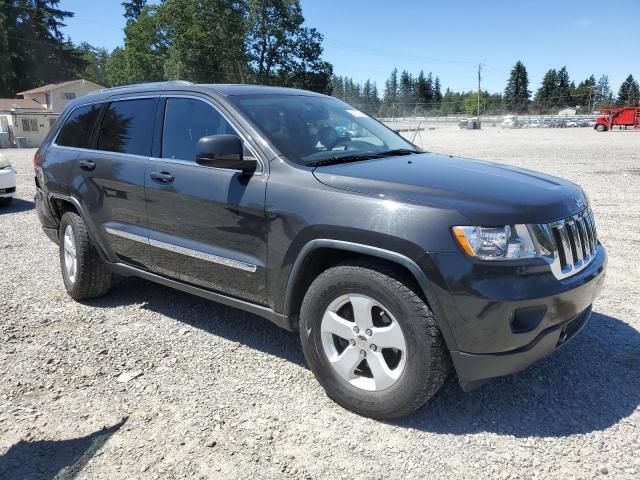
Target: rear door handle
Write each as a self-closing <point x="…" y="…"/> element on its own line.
<point x="162" y="177"/>
<point x="87" y="164"/>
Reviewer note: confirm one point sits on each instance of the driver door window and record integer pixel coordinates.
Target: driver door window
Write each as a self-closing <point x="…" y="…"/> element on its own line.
<point x="187" y="120"/>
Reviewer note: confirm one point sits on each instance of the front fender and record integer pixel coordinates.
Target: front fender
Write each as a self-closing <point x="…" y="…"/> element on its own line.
<point x="420" y="268"/>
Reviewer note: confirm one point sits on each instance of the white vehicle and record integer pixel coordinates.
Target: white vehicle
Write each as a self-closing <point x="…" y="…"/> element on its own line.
<point x="572" y="123"/>
<point x="535" y="123"/>
<point x="509" y="121"/>
<point x="7" y="182"/>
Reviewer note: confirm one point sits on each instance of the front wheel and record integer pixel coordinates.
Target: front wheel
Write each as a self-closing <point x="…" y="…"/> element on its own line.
<point x="601" y="127"/>
<point x="371" y="341"/>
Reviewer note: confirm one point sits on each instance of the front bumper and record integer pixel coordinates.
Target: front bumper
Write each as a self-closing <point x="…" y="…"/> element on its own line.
<point x="502" y="318"/>
<point x="7" y="182"/>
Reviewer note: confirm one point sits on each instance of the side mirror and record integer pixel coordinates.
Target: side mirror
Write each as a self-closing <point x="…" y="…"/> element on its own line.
<point x="223" y="151"/>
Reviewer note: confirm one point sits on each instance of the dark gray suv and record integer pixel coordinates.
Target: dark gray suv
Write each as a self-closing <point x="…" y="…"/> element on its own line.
<point x="394" y="264"/>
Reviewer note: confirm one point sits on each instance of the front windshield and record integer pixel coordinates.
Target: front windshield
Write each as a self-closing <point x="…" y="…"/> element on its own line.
<point x="309" y="129"/>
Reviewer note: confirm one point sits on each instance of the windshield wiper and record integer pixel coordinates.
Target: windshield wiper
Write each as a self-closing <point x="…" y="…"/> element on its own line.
<point x="344" y="159"/>
<point x="357" y="157"/>
<point x="398" y="152"/>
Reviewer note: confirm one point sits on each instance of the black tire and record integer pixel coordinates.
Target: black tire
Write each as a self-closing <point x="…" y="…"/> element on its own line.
<point x="601" y="127"/>
<point x="6" y="201"/>
<point x="427" y="361"/>
<point x="92" y="276"/>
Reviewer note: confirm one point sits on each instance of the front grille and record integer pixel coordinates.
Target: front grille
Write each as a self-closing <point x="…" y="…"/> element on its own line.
<point x="573" y="242"/>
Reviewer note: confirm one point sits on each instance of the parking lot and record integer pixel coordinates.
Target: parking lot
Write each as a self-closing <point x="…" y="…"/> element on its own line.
<point x="223" y="394"/>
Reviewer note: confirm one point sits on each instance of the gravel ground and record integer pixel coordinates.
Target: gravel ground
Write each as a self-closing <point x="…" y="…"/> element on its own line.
<point x="223" y="394"/>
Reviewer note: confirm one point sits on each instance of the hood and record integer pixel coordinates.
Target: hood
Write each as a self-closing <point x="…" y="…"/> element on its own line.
<point x="489" y="194"/>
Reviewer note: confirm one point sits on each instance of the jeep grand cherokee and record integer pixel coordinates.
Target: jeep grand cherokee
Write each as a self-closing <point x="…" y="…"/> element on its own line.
<point x="395" y="265"/>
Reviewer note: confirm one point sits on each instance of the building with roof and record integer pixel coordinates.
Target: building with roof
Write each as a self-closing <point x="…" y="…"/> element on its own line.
<point x="54" y="97"/>
<point x="25" y="122"/>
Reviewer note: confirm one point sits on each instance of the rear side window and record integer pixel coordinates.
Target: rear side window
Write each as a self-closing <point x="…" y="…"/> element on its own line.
<point x="127" y="127"/>
<point x="76" y="131"/>
<point x="186" y="121"/>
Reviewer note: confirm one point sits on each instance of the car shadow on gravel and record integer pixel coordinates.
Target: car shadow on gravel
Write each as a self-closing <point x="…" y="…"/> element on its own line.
<point x="59" y="459"/>
<point x="17" y="205"/>
<point x="588" y="385"/>
<point x="211" y="317"/>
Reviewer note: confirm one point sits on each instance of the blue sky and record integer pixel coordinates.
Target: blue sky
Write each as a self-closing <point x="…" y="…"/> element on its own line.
<point x="368" y="38"/>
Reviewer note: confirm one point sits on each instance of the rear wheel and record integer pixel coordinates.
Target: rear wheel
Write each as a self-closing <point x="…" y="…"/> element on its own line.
<point x="84" y="273"/>
<point x="371" y="341"/>
<point x="601" y="127"/>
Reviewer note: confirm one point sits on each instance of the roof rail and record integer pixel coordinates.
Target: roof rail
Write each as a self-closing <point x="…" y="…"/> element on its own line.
<point x="169" y="83"/>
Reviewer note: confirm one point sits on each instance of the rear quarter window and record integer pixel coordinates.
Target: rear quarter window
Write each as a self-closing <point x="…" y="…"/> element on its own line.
<point x="76" y="131"/>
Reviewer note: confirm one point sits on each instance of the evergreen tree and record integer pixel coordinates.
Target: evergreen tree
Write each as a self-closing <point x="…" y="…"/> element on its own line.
<point x="420" y="92"/>
<point x="562" y="92"/>
<point x="144" y="54"/>
<point x="437" y="93"/>
<point x="629" y="92"/>
<point x="407" y="104"/>
<point x="545" y="96"/>
<point x="390" y="98"/>
<point x="584" y="93"/>
<point x="33" y="50"/>
<point x="516" y="95"/>
<point x="133" y="10"/>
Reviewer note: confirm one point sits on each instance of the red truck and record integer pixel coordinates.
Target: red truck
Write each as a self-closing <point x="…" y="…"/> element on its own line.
<point x="623" y="116"/>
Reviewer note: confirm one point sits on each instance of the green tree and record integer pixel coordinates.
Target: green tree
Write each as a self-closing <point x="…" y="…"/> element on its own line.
<point x="545" y="96"/>
<point x="405" y="94"/>
<point x="629" y="92"/>
<point x="96" y="64"/>
<point x="133" y="10"/>
<point x="282" y="51"/>
<point x="205" y="40"/>
<point x="117" y="68"/>
<point x="390" y="96"/>
<point x="145" y="51"/>
<point x="562" y="92"/>
<point x="516" y="94"/>
<point x="33" y="50"/>
<point x="604" y="95"/>
<point x="584" y="93"/>
<point x="437" y="93"/>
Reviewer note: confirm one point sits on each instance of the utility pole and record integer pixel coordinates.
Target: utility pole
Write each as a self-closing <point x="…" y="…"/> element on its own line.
<point x="479" y="77"/>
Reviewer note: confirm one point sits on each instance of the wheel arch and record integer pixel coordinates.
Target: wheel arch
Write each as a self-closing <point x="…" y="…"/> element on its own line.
<point x="310" y="263"/>
<point x="61" y="204"/>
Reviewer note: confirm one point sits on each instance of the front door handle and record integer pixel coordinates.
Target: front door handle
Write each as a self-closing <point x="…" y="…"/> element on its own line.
<point x="87" y="165"/>
<point x="162" y="177"/>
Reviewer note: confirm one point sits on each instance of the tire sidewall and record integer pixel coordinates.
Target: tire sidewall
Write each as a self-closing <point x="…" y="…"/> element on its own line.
<point x="320" y="295"/>
<point x="68" y="220"/>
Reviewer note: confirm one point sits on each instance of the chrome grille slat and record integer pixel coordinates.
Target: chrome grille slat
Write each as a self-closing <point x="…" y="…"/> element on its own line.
<point x="576" y="246"/>
<point x="586" y="241"/>
<point x="566" y="246"/>
<point x="573" y="242"/>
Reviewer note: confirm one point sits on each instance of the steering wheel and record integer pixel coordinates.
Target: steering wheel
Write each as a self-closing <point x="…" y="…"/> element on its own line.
<point x="329" y="137"/>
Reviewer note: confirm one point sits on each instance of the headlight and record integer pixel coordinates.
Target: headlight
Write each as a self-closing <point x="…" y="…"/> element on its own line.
<point x="496" y="243"/>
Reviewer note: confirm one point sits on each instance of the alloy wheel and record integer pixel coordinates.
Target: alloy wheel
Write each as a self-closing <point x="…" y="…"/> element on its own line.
<point x="70" y="257"/>
<point x="363" y="342"/>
